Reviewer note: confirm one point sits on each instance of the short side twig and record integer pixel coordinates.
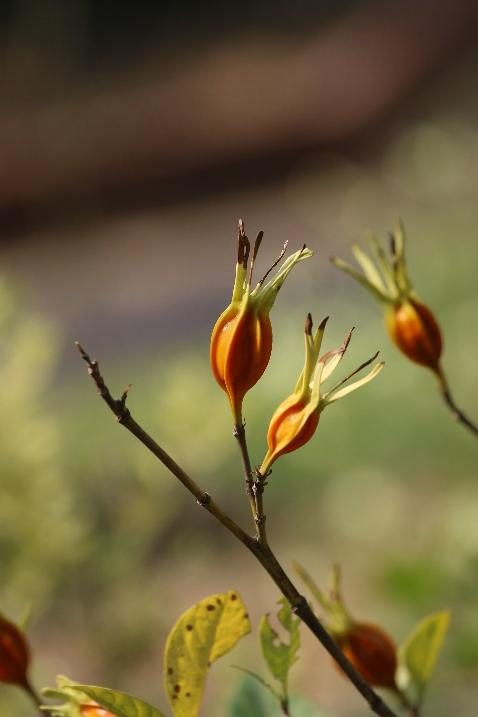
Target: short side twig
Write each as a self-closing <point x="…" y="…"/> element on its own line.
<point x="37" y="700"/>
<point x="254" y="484"/>
<point x="261" y="550"/>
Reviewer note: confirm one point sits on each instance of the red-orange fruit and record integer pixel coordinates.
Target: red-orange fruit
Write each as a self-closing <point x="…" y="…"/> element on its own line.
<point x="372" y="652"/>
<point x="14" y="654"/>
<point x="287" y="430"/>
<point x="241" y="346"/>
<point x="415" y="331"/>
<point x="94" y="711"/>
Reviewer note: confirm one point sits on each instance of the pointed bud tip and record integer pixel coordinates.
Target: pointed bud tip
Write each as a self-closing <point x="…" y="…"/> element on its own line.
<point x="308" y="324"/>
<point x="323" y="323"/>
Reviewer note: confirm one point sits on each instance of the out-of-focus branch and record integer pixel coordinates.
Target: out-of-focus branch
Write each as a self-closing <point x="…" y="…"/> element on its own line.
<point x="456" y="412"/>
<point x="236" y="102"/>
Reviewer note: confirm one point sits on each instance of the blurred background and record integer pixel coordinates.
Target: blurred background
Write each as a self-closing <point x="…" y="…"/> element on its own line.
<point x="132" y="137"/>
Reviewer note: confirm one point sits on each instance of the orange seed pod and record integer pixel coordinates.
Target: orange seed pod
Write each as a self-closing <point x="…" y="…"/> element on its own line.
<point x="14" y="654"/>
<point x="241" y="340"/>
<point x="415" y="331"/>
<point x="296" y="419"/>
<point x="372" y="652"/>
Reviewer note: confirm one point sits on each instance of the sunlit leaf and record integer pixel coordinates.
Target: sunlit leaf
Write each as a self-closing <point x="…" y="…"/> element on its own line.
<point x="119" y="703"/>
<point x="418" y="654"/>
<point x="202" y="634"/>
<point x="279" y="655"/>
<point x="91" y="700"/>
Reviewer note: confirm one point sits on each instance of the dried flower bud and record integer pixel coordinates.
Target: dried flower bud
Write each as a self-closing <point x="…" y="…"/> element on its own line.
<point x="14" y="654"/>
<point x="241" y="341"/>
<point x="415" y="331"/>
<point x="296" y="419"/>
<point x="410" y="323"/>
<point x="372" y="652"/>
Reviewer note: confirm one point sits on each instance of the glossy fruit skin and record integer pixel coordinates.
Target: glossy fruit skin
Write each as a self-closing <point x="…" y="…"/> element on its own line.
<point x="94" y="711"/>
<point x="241" y="346"/>
<point x="14" y="654"/>
<point x="415" y="331"/>
<point x="289" y="429"/>
<point x="372" y="652"/>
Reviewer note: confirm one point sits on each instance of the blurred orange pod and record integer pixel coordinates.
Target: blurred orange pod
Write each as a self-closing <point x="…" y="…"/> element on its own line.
<point x="411" y="325"/>
<point x="369" y="648"/>
<point x="14" y="655"/>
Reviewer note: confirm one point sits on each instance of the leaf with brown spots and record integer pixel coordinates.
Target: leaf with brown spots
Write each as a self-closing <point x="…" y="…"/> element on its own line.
<point x="202" y="634"/>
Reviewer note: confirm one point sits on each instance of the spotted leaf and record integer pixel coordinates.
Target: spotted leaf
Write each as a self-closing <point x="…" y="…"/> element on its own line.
<point x="202" y="634"/>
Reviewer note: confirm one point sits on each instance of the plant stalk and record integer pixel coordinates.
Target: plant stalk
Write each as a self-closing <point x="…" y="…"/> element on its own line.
<point x="456" y="412"/>
<point x="260" y="549"/>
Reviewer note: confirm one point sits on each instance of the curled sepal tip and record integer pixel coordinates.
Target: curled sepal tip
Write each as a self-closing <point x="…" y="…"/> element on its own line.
<point x="296" y="419"/>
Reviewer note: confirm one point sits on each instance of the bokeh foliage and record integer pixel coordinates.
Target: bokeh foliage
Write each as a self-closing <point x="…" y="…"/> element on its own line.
<point x="104" y="546"/>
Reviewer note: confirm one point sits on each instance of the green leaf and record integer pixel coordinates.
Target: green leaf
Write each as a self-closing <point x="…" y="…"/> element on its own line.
<point x="119" y="703"/>
<point x="251" y="700"/>
<point x="202" y="634"/>
<point x="300" y="707"/>
<point x="116" y="703"/>
<point x="418" y="654"/>
<point x="260" y="680"/>
<point x="280" y="656"/>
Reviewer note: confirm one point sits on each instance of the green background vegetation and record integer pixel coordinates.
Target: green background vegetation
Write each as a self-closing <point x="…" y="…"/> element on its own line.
<point x="105" y="550"/>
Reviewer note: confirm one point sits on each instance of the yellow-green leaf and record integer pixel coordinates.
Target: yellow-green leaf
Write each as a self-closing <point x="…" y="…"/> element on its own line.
<point x="418" y="654"/>
<point x="280" y="656"/>
<point x="76" y="696"/>
<point x="118" y="703"/>
<point x="202" y="634"/>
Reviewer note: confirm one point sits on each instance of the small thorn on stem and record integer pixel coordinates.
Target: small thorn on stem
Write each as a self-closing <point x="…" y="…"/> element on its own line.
<point x="125" y="393"/>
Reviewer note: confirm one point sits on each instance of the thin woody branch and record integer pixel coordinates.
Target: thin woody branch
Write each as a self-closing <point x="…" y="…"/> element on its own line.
<point x="456" y="412"/>
<point x="261" y="550"/>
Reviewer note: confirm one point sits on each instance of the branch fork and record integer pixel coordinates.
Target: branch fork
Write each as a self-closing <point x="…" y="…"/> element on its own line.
<point x="257" y="544"/>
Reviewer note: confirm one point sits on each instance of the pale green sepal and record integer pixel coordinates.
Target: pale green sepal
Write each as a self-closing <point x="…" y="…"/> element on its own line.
<point x="240" y="283"/>
<point x="310" y="583"/>
<point x="333" y="395"/>
<point x="315" y="396"/>
<point x="331" y="359"/>
<point x="312" y="350"/>
<point x="418" y="654"/>
<point x="384" y="265"/>
<point x="358" y="276"/>
<point x="399" y="269"/>
<point x="64" y="691"/>
<point x="265" y="295"/>
<point x="368" y="268"/>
